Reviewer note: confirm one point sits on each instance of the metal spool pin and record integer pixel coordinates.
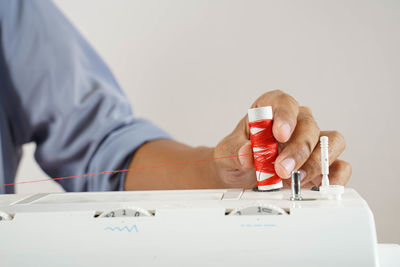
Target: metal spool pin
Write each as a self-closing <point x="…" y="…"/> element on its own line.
<point x="296" y="188"/>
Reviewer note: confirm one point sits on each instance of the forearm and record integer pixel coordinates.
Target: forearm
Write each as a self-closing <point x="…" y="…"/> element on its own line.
<point x="167" y="164"/>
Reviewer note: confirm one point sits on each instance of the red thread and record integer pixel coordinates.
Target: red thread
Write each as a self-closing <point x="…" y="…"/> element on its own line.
<point x="265" y="150"/>
<point x="126" y="170"/>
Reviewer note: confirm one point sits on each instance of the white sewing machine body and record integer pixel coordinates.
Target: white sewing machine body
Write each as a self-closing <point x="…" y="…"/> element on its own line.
<point x="186" y="228"/>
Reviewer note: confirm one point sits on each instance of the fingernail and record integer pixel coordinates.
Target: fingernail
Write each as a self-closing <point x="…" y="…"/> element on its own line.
<point x="285" y="130"/>
<point x="244" y="154"/>
<point x="288" y="164"/>
<point x="241" y="160"/>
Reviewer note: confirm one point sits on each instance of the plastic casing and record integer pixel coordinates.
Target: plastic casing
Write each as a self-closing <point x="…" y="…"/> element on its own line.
<point x="188" y="228"/>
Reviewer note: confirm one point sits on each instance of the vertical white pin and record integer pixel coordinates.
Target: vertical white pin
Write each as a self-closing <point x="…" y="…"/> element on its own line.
<point x="324" y="141"/>
<point x="330" y="191"/>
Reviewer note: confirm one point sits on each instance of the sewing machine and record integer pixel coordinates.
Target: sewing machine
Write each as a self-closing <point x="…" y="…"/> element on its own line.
<point x="228" y="227"/>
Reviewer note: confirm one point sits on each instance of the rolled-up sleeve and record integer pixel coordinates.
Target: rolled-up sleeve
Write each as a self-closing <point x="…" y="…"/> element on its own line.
<point x="62" y="96"/>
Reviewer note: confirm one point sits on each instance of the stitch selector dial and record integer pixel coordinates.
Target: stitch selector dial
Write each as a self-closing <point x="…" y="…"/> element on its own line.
<point x="125" y="212"/>
<point x="259" y="210"/>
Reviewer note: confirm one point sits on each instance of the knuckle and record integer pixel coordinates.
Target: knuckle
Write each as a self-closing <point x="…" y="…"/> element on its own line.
<point x="309" y="146"/>
<point x="335" y="135"/>
<point x="310" y="126"/>
<point x="277" y="92"/>
<point x="344" y="169"/>
<point x="338" y="138"/>
<point x="345" y="166"/>
<point x="308" y="120"/>
<point x="313" y="166"/>
<point x="288" y="99"/>
<point x="265" y="98"/>
<point x="305" y="110"/>
<point x="283" y="114"/>
<point x="277" y="96"/>
<point x="304" y="151"/>
<point x="349" y="169"/>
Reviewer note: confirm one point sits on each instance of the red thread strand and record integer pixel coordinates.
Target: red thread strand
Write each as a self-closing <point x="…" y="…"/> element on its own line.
<point x="265" y="150"/>
<point x="126" y="170"/>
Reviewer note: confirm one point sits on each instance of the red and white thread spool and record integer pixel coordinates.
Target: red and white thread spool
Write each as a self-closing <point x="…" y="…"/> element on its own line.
<point x="265" y="148"/>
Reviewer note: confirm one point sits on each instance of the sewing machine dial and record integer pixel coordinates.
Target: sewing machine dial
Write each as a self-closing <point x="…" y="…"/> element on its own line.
<point x="259" y="210"/>
<point x="126" y="212"/>
<point x="4" y="216"/>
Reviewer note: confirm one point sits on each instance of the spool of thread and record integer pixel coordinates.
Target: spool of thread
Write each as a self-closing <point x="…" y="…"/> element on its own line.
<point x="265" y="148"/>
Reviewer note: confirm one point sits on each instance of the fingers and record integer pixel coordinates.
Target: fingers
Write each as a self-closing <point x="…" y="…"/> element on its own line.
<point x="234" y="152"/>
<point x="298" y="134"/>
<point x="285" y="110"/>
<point x="300" y="146"/>
<point x="235" y="159"/>
<point x="245" y="156"/>
<point x="312" y="167"/>
<point x="285" y="118"/>
<point x="339" y="174"/>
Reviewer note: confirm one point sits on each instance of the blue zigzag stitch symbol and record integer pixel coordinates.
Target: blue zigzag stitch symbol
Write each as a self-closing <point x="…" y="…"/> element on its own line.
<point x="120" y="229"/>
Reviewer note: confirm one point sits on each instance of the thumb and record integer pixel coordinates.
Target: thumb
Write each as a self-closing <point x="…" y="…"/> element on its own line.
<point x="235" y="153"/>
<point x="245" y="156"/>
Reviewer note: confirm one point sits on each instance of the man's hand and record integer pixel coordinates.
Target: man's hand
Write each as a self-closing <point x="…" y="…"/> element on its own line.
<point x="297" y="134"/>
<point x="184" y="167"/>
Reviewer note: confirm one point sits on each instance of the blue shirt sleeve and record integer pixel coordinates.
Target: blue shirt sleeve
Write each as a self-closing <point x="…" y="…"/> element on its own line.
<point x="62" y="96"/>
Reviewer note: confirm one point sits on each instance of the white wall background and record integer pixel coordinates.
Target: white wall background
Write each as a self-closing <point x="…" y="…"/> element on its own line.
<point x="194" y="67"/>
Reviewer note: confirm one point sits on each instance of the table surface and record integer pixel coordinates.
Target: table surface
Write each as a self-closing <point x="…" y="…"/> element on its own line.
<point x="389" y="255"/>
